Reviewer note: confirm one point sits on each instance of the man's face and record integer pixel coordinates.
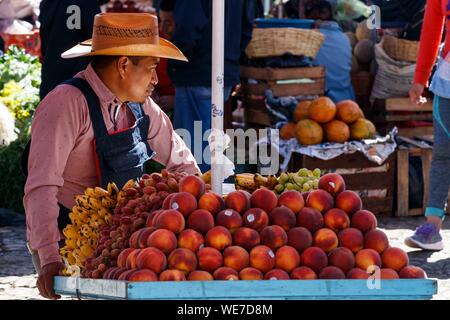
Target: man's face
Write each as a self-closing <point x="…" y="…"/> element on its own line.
<point x="140" y="79"/>
<point x="167" y="24"/>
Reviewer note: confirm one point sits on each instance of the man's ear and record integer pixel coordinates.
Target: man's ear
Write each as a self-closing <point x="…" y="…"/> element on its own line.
<point x="123" y="64"/>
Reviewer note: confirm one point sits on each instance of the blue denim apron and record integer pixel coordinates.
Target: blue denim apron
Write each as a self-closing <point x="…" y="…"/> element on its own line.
<point x="119" y="156"/>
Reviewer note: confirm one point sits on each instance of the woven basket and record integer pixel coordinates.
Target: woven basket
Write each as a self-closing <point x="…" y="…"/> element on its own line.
<point x="271" y="42"/>
<point x="401" y="49"/>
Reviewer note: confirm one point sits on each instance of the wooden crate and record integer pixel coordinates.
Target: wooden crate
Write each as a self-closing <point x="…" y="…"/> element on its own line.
<point x="269" y="77"/>
<point x="402" y="289"/>
<point x="256" y="114"/>
<point x="357" y="181"/>
<point x="387" y="113"/>
<point x="412" y="148"/>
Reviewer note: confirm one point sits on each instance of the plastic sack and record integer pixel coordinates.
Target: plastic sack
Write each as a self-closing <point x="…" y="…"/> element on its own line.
<point x="393" y="78"/>
<point x="347" y="10"/>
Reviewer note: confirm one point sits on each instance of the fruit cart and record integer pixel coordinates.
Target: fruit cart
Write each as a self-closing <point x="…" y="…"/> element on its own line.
<point x="403" y="289"/>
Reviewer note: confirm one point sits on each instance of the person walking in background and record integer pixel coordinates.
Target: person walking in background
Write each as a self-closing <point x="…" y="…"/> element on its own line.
<point x="57" y="37"/>
<point x="427" y="236"/>
<point x="335" y="54"/>
<point x="164" y="94"/>
<point x="193" y="35"/>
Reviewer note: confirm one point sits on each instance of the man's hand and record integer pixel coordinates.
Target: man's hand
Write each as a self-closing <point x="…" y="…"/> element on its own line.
<point x="45" y="280"/>
<point x="415" y="94"/>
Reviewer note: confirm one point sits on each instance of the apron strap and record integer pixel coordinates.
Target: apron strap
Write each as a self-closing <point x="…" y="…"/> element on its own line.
<point x="93" y="102"/>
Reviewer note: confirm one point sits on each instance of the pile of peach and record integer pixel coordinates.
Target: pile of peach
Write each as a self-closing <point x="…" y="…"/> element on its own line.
<point x="198" y="235"/>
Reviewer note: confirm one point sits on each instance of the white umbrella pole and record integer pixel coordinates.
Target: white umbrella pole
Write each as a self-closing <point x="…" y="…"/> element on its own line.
<point x="217" y="84"/>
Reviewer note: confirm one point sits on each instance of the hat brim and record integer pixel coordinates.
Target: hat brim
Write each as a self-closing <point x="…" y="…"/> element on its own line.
<point x="165" y="49"/>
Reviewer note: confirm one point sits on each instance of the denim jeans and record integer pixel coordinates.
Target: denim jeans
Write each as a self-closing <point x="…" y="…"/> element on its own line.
<point x="194" y="104"/>
<point x="440" y="164"/>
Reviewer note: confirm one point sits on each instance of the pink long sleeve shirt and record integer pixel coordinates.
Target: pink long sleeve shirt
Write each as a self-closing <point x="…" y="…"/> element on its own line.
<point x="61" y="162"/>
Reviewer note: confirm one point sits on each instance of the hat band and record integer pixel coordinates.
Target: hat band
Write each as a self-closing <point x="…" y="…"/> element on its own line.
<point x="125" y="33"/>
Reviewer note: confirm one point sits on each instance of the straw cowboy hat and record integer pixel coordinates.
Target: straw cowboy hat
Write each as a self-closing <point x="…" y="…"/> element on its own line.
<point x="126" y="34"/>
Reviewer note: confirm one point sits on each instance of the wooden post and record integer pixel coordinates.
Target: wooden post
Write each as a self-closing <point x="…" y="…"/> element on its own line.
<point x="402" y="181"/>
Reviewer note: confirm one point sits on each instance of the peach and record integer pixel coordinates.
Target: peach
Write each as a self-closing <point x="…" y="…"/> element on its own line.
<point x="143" y="275"/>
<point x="325" y="239"/>
<point x="124" y="276"/>
<point x="171" y="220"/>
<point x="331" y="273"/>
<point x="342" y="258"/>
<point x="300" y="238"/>
<point x="122" y="258"/>
<point x="151" y="258"/>
<point x="229" y="219"/>
<point x="292" y="199"/>
<point x="336" y="219"/>
<point x="357" y="273"/>
<point x="131" y="262"/>
<point x="172" y="275"/>
<point x="235" y="257"/>
<point x="116" y="273"/>
<point x="305" y="196"/>
<point x="182" y="259"/>
<point x="133" y="241"/>
<point x="219" y="238"/>
<point x="166" y="202"/>
<point x="192" y="184"/>
<point x="366" y="258"/>
<point x="303" y="273"/>
<point x="151" y="218"/>
<point x="274" y="237"/>
<point x="184" y="202"/>
<point x="250" y="274"/>
<point x="190" y="239"/>
<point x="412" y="272"/>
<point x="333" y="183"/>
<point x="201" y="221"/>
<point x="144" y="235"/>
<point x="225" y="273"/>
<point x="349" y="201"/>
<point x="163" y="239"/>
<point x="256" y="218"/>
<point x="377" y="240"/>
<point x="394" y="258"/>
<point x="352" y="239"/>
<point x="246" y="238"/>
<point x="264" y="199"/>
<point x="287" y="258"/>
<point x="276" y="274"/>
<point x="262" y="258"/>
<point x="310" y="219"/>
<point x="107" y="274"/>
<point x="199" y="275"/>
<point x="320" y="200"/>
<point x="387" y="274"/>
<point x="314" y="258"/>
<point x="209" y="259"/>
<point x="238" y="201"/>
<point x="364" y="220"/>
<point x="211" y="202"/>
<point x="283" y="217"/>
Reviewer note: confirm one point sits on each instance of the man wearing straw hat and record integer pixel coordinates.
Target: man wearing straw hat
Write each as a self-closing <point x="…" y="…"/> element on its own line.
<point x="98" y="127"/>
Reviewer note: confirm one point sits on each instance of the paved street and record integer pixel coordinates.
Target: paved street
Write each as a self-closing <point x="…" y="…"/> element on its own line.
<point x="17" y="278"/>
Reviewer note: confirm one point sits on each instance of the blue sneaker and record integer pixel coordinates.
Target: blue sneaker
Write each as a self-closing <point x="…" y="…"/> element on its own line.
<point x="426" y="237"/>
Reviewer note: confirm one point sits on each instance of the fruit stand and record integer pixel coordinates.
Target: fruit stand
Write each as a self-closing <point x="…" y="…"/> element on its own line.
<point x="167" y="236"/>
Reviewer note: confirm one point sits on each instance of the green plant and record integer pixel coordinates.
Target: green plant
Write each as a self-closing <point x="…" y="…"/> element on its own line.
<point x="19" y="91"/>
